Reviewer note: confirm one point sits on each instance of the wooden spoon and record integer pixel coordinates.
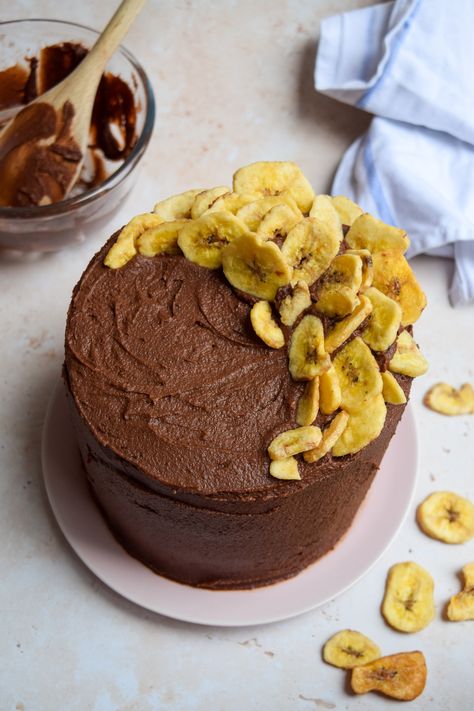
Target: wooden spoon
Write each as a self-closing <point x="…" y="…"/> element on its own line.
<point x="42" y="148"/>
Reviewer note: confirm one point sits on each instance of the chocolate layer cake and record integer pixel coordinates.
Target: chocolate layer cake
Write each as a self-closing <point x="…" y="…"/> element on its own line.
<point x="175" y="400"/>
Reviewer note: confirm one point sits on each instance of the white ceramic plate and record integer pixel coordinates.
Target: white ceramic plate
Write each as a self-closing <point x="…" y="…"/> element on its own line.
<point x="383" y="510"/>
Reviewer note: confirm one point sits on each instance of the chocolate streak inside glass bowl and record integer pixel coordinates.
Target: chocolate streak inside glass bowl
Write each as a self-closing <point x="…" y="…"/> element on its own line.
<point x="121" y="125"/>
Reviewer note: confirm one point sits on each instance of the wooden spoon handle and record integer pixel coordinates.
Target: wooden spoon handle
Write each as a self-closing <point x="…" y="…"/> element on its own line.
<point x="89" y="71"/>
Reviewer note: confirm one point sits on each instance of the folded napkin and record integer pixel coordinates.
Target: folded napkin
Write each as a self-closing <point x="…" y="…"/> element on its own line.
<point x="409" y="63"/>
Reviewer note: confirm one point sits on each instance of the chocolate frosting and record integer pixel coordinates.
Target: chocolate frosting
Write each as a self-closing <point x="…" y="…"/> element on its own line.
<point x="167" y="369"/>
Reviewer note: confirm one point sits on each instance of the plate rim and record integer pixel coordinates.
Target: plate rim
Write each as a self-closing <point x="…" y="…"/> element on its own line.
<point x="58" y="398"/>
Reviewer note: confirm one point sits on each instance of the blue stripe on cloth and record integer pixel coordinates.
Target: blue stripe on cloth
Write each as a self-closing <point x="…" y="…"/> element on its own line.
<point x="396" y="46"/>
<point x="385" y="214"/>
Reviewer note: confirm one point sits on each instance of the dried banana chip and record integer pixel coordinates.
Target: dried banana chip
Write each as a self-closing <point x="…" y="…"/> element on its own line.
<point x="329" y="391"/>
<point x="202" y="240"/>
<point x="272" y="178"/>
<point x="362" y="428"/>
<point x="285" y="469"/>
<point x="256" y="267"/>
<point x="367" y="232"/>
<point x="277" y="222"/>
<point x="348" y="649"/>
<point x="395" y="278"/>
<point x="295" y="441"/>
<point x="408" y="604"/>
<point x="162" y="239"/>
<point x="392" y="391"/>
<point x="408" y="359"/>
<point x="330" y="436"/>
<point x="367" y="266"/>
<point x="295" y="303"/>
<point x="204" y="200"/>
<point x="345" y="270"/>
<point x="400" y="676"/>
<point x="125" y="247"/>
<point x="323" y="209"/>
<point x="447" y="517"/>
<point x="254" y="212"/>
<point x="337" y="296"/>
<point x="347" y="210"/>
<point x="384" y="321"/>
<point x="448" y="401"/>
<point x="461" y="606"/>
<point x="307" y="356"/>
<point x="231" y="202"/>
<point x="310" y="248"/>
<point x="337" y="302"/>
<point x="265" y="325"/>
<point x="358" y="375"/>
<point x="346" y="327"/>
<point x="177" y="207"/>
<point x="308" y="404"/>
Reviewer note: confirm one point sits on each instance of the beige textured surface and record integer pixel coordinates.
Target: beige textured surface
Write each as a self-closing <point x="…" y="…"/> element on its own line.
<point x="233" y="83"/>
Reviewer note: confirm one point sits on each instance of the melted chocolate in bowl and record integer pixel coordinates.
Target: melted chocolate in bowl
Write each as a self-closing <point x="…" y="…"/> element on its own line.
<point x="45" y="167"/>
<point x="35" y="57"/>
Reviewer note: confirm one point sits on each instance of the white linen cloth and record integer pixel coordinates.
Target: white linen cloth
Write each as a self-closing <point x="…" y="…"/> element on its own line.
<point x="410" y="62"/>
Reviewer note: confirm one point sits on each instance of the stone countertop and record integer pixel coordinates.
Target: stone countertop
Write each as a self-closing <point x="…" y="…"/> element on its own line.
<point x="233" y="83"/>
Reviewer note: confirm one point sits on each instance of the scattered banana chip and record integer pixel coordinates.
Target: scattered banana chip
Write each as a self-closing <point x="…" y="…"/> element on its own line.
<point x="265" y="325"/>
<point x="231" y="202"/>
<point x="277" y="222"/>
<point x="461" y="606"/>
<point x="253" y="213"/>
<point x="348" y="649"/>
<point x="204" y="200"/>
<point x="272" y="178"/>
<point x="393" y="276"/>
<point x="384" y="321"/>
<point x="400" y="676"/>
<point x="346" y="327"/>
<point x="177" y="207"/>
<point x="162" y="239"/>
<point x="308" y="404"/>
<point x="329" y="391"/>
<point x="445" y="399"/>
<point x="125" y="247"/>
<point x="358" y="375"/>
<point x="330" y="436"/>
<point x="447" y="517"/>
<point x="408" y="604"/>
<point x="392" y="391"/>
<point x="295" y="303"/>
<point x="367" y="266"/>
<point x="256" y="267"/>
<point x="347" y="210"/>
<point x="307" y="356"/>
<point x="367" y="232"/>
<point x="362" y="428"/>
<point x="311" y="246"/>
<point x="408" y="359"/>
<point x="337" y="296"/>
<point x="202" y="240"/>
<point x="285" y="469"/>
<point x="295" y="441"/>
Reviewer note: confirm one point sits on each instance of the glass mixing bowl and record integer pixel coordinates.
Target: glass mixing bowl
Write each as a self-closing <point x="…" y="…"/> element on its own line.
<point x="52" y="227"/>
